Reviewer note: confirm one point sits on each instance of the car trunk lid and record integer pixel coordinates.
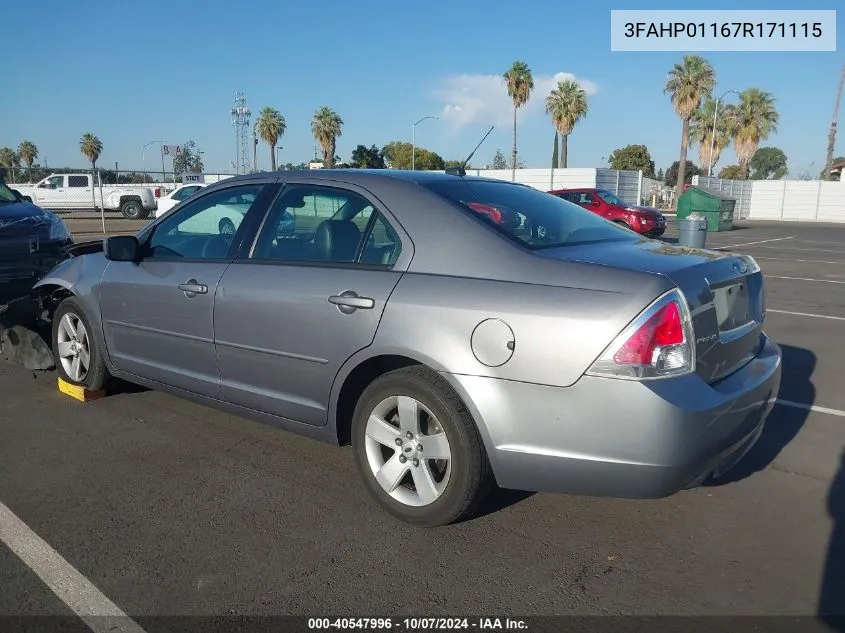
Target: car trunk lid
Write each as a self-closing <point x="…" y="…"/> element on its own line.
<point x="724" y="292"/>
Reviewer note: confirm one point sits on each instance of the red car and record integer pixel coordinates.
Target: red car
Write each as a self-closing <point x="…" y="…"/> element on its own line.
<point x="643" y="220"/>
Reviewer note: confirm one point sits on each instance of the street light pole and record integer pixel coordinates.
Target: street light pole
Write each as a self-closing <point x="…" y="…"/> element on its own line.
<point x="713" y="133"/>
<point x="144" y="159"/>
<point x="414" y="140"/>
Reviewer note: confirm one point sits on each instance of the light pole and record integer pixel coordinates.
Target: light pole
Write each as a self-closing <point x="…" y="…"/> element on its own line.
<point x="144" y="159"/>
<point x="713" y="133"/>
<point x="278" y="157"/>
<point x="414" y="140"/>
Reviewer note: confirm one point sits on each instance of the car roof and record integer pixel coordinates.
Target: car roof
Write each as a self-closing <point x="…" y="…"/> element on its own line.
<point x="363" y="176"/>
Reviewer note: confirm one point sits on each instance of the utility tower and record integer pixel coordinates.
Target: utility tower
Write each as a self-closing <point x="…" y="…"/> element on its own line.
<point x="831" y="137"/>
<point x="240" y="119"/>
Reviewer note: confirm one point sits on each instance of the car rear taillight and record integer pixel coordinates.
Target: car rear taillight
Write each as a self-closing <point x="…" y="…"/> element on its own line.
<point x="158" y="193"/>
<point x="659" y="343"/>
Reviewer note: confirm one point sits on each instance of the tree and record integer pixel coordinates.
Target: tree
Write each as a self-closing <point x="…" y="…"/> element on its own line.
<point x="520" y="84"/>
<point x="753" y="120"/>
<point x="688" y="83"/>
<point x="660" y="175"/>
<point x="398" y="156"/>
<point x="673" y="171"/>
<point x="326" y="126"/>
<point x="499" y="161"/>
<point x="91" y="147"/>
<point x="768" y="163"/>
<point x="632" y="157"/>
<point x="28" y="152"/>
<point x="555" y="159"/>
<point x="701" y="130"/>
<point x="270" y="126"/>
<point x="567" y="104"/>
<point x="9" y="160"/>
<point x="368" y="158"/>
<point x="190" y="160"/>
<point x="731" y="172"/>
<point x="825" y="175"/>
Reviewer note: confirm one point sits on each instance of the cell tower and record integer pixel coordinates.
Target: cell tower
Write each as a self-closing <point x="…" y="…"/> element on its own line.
<point x="240" y="119"/>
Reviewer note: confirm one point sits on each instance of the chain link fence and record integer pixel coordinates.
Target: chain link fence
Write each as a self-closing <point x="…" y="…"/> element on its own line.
<point x="97" y="201"/>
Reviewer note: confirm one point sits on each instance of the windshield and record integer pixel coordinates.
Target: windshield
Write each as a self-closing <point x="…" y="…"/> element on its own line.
<point x="6" y="194"/>
<point x="610" y="198"/>
<point x="529" y="216"/>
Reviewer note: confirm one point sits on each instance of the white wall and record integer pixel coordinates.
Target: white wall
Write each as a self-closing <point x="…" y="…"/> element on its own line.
<point x="797" y="200"/>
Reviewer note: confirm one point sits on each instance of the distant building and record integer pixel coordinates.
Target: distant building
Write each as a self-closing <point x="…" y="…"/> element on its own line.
<point x="315" y="164"/>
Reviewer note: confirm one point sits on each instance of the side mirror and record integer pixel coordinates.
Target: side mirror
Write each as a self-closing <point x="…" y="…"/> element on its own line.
<point x="122" y="248"/>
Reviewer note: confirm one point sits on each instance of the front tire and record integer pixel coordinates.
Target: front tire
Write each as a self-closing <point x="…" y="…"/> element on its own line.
<point x="77" y="353"/>
<point x="418" y="450"/>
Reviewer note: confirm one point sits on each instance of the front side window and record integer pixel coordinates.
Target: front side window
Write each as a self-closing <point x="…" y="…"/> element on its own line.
<point x="611" y="198"/>
<point x="204" y="228"/>
<point x="323" y="224"/>
<point x="526" y="215"/>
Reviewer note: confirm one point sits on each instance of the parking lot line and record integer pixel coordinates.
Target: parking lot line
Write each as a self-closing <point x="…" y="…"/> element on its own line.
<point x="806" y="314"/>
<point x="802" y="261"/>
<point x="827" y="281"/>
<point x="776" y="239"/>
<point x="811" y="407"/>
<point x="793" y="248"/>
<point x="83" y="598"/>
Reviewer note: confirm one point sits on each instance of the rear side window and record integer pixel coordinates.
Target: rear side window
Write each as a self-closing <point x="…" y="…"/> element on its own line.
<point x="529" y="216"/>
<point x="77" y="181"/>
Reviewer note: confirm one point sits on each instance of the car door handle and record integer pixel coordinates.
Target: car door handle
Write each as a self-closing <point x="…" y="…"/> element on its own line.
<point x="348" y="301"/>
<point x="191" y="288"/>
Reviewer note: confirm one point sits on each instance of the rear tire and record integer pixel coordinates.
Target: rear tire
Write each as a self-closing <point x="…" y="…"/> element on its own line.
<point x="412" y="414"/>
<point x="78" y="357"/>
<point x="132" y="210"/>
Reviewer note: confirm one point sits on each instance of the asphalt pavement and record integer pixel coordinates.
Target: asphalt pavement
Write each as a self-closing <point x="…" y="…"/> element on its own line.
<point x="172" y="508"/>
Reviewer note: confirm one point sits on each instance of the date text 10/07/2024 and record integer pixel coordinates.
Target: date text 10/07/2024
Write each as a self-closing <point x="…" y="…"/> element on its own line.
<point x="418" y="624"/>
<point x="724" y="29"/>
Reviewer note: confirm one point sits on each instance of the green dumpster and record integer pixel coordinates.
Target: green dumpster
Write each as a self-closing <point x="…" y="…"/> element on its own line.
<point x="709" y="204"/>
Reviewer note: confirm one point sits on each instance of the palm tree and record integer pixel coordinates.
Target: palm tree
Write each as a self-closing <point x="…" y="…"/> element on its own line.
<point x="752" y="120"/>
<point x="326" y="127"/>
<point x="567" y="104"/>
<point x="520" y="84"/>
<point x="91" y="147"/>
<point x="28" y="152"/>
<point x="270" y="125"/>
<point x="701" y="131"/>
<point x="9" y="160"/>
<point x="688" y="83"/>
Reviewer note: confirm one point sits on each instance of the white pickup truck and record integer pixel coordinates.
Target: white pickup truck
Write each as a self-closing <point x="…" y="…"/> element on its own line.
<point x="81" y="191"/>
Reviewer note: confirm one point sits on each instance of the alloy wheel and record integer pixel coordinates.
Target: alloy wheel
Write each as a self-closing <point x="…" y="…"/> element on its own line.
<point x="408" y="451"/>
<point x="74" y="347"/>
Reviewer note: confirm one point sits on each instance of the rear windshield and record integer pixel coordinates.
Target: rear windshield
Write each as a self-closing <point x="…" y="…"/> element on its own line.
<point x="529" y="216"/>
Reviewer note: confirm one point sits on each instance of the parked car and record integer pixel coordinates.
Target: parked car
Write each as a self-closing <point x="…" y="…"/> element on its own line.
<point x="450" y="351"/>
<point x="32" y="241"/>
<point x="165" y="203"/>
<point x="643" y="220"/>
<point x="82" y="191"/>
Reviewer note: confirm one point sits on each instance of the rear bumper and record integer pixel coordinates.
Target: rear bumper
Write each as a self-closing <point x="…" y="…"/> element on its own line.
<point x="621" y="438"/>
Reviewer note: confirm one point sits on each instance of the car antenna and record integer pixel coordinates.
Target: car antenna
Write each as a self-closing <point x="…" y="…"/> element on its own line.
<point x="460" y="169"/>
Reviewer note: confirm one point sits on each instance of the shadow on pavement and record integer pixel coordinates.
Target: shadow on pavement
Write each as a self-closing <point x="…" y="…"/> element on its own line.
<point x="831" y="606"/>
<point x="783" y="423"/>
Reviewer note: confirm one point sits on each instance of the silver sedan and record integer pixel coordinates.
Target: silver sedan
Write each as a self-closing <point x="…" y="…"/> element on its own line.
<point x="421" y="318"/>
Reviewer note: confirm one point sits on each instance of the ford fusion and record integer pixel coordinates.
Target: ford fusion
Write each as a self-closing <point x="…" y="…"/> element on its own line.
<point x="417" y="317"/>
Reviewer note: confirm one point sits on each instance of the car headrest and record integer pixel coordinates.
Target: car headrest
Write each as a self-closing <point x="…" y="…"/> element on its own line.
<point x="337" y="240"/>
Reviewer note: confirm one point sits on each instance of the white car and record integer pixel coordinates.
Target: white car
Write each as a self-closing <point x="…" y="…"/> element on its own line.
<point x="165" y="203"/>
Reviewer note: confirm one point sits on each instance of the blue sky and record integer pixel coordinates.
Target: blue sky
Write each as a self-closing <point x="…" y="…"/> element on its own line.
<point x="168" y="70"/>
